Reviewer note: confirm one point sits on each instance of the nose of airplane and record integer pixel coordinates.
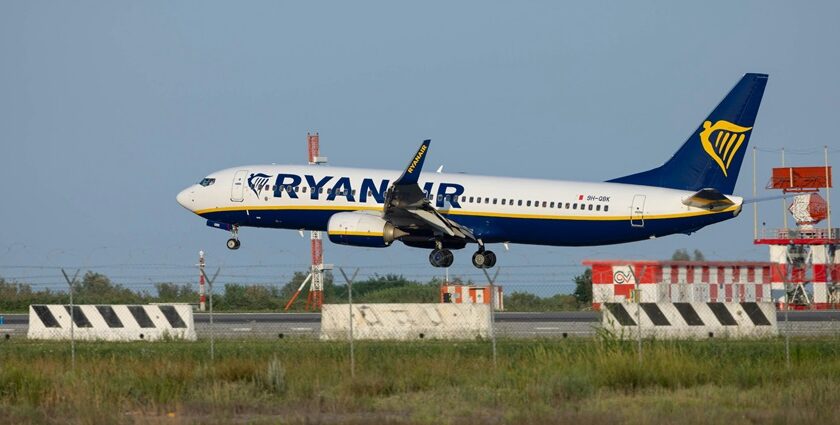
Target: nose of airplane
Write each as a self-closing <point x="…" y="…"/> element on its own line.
<point x="185" y="198"/>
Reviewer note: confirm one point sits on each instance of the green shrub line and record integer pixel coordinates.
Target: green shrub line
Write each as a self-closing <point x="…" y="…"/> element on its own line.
<point x="534" y="381"/>
<point x="96" y="288"/>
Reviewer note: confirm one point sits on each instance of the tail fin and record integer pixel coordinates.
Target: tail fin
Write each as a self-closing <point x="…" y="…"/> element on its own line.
<point x="712" y="156"/>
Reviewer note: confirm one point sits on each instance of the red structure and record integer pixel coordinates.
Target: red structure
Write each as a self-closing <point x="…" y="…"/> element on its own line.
<point x="471" y="294"/>
<point x="806" y="263"/>
<point x="679" y="281"/>
<point x="315" y="299"/>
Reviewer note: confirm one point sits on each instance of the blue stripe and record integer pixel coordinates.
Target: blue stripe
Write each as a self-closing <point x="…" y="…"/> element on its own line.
<point x="537" y="231"/>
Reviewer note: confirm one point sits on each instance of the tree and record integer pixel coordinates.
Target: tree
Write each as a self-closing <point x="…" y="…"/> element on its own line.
<point x="680" y="255"/>
<point x="583" y="288"/>
<point x="683" y="255"/>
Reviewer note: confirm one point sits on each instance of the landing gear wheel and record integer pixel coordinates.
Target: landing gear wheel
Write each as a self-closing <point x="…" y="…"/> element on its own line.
<point x="479" y="260"/>
<point x="441" y="258"/>
<point x="490" y="259"/>
<point x="233" y="243"/>
<point x="484" y="259"/>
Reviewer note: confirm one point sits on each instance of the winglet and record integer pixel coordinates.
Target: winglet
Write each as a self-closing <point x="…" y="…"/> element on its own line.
<point x="412" y="172"/>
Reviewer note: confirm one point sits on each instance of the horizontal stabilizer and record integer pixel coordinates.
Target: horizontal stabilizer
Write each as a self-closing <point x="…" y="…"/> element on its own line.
<point x="708" y="199"/>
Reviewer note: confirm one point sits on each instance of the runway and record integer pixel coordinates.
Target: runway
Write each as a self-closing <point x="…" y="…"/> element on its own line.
<point x="507" y="324"/>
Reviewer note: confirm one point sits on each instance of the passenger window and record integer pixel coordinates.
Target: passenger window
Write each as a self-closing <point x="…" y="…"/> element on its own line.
<point x="440" y="197"/>
<point x="503" y="201"/>
<point x="529" y="203"/>
<point x="590" y="207"/>
<point x="598" y="208"/>
<point x="574" y="206"/>
<point x="296" y="188"/>
<point x="544" y="204"/>
<point x="520" y="203"/>
<point x="267" y="187"/>
<point x="478" y="200"/>
<point x="606" y="208"/>
<point x="551" y="205"/>
<point x="494" y="201"/>
<point x="511" y="201"/>
<point x="471" y="199"/>
<point x="320" y="190"/>
<point x="567" y="205"/>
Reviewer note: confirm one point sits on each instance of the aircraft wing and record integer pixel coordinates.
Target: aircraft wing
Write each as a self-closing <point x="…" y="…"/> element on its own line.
<point x="408" y="208"/>
<point x="708" y="199"/>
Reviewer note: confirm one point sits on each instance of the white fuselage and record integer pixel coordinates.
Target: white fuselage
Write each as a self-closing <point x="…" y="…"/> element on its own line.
<point x="495" y="209"/>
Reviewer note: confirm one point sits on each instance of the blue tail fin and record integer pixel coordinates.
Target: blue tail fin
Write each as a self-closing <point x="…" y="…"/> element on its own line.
<point x="712" y="156"/>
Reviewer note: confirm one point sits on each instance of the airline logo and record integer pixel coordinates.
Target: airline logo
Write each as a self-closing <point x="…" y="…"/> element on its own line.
<point x="417" y="158"/>
<point x="722" y="140"/>
<point x="333" y="188"/>
<point x="258" y="182"/>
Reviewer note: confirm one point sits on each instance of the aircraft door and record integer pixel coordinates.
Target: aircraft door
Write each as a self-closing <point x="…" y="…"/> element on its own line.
<point x="637" y="215"/>
<point x="237" y="190"/>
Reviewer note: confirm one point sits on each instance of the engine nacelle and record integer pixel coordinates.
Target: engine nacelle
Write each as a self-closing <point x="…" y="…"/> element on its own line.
<point x="360" y="229"/>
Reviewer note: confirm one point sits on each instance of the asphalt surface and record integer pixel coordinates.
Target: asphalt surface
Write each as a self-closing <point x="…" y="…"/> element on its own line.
<point x="507" y="324"/>
<point x="501" y="317"/>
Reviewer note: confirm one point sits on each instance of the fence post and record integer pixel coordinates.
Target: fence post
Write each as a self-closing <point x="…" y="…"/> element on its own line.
<point x="72" y="283"/>
<point x="492" y="310"/>
<point x="212" y="327"/>
<point x="350" y="303"/>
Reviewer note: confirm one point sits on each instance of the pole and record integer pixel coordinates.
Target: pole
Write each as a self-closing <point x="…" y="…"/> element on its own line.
<point x="784" y="201"/>
<point x="755" y="195"/>
<point x="350" y="302"/>
<point x="788" y="271"/>
<point x="638" y="312"/>
<point x="72" y="283"/>
<point x="294" y="297"/>
<point x="201" y="292"/>
<point x="212" y="327"/>
<point x="492" y="310"/>
<point x="828" y="194"/>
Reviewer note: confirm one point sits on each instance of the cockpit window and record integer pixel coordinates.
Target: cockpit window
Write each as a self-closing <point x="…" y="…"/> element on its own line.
<point x="207" y="181"/>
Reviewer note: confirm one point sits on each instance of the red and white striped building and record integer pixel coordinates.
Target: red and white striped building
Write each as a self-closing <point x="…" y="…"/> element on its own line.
<point x="680" y="281"/>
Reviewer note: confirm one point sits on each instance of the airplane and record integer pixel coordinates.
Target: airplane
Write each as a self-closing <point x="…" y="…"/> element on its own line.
<point x="445" y="211"/>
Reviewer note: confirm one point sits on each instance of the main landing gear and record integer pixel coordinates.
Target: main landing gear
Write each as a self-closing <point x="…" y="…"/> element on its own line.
<point x="442" y="257"/>
<point x="484" y="259"/>
<point x="233" y="242"/>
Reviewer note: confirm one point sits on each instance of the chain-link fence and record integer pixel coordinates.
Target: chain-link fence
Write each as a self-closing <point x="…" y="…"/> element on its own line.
<point x="358" y="310"/>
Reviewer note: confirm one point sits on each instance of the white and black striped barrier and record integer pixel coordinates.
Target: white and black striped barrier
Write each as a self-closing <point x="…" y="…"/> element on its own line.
<point x="112" y="322"/>
<point x="690" y="320"/>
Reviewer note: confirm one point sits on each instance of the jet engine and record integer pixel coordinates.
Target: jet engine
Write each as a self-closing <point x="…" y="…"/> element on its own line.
<point x="362" y="229"/>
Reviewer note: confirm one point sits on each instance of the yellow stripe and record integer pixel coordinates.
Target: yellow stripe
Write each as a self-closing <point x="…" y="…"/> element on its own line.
<point x="345" y="233"/>
<point x="290" y="207"/>
<point x="479" y="213"/>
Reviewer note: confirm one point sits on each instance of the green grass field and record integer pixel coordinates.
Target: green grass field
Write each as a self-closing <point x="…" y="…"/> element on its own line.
<point x="588" y="381"/>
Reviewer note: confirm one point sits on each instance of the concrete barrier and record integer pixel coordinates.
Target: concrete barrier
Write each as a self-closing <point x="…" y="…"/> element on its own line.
<point x="406" y="321"/>
<point x="690" y="320"/>
<point x="112" y="322"/>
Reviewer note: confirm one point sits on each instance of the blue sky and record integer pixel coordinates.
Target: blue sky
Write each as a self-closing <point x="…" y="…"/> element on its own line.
<point x="108" y="109"/>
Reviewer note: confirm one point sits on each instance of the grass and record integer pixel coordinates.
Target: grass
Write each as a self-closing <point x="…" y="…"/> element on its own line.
<point x="306" y="381"/>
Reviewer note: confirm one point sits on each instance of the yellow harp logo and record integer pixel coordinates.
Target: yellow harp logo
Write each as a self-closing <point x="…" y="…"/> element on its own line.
<point x="722" y="141"/>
